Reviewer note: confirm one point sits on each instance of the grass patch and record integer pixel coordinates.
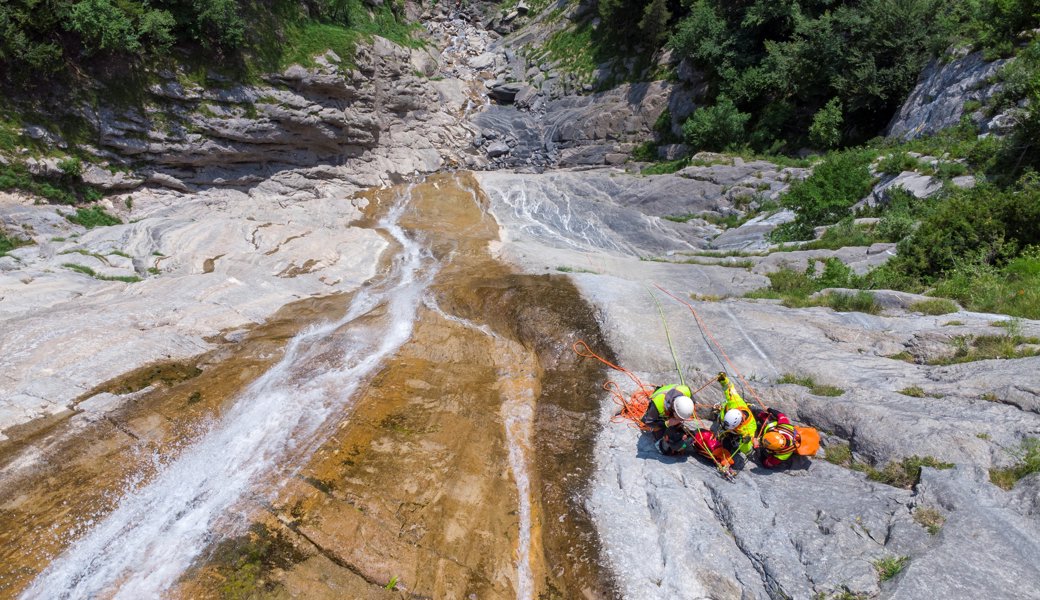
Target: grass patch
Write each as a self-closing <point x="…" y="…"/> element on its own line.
<point x="8" y="243"/>
<point x="808" y="382"/>
<point x="1028" y="463"/>
<point x="666" y="168"/>
<point x="905" y="473"/>
<point x="65" y="190"/>
<point x="1013" y="289"/>
<point x="929" y="518"/>
<point x="897" y="162"/>
<point x="843" y="235"/>
<point x="92" y="217"/>
<point x="860" y="301"/>
<point x="913" y="391"/>
<point x="970" y="348"/>
<point x="889" y="567"/>
<point x="91" y="272"/>
<point x="575" y="270"/>
<point x="936" y="306"/>
<point x="838" y="454"/>
<point x="903" y="356"/>
<point x="794" y="288"/>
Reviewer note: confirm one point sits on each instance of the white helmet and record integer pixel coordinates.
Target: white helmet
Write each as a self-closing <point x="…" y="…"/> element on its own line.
<point x="733" y="419"/>
<point x="683" y="407"/>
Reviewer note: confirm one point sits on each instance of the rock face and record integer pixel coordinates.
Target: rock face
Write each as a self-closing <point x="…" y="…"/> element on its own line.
<point x="673" y="528"/>
<point x="196" y="264"/>
<point x="583" y="130"/>
<point x="373" y="123"/>
<point x="937" y="102"/>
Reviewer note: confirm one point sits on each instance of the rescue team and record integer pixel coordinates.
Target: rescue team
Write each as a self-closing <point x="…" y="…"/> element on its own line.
<point x="737" y="431"/>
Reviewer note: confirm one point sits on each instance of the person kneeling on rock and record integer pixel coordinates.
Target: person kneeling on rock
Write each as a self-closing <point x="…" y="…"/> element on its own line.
<point x="737" y="425"/>
<point x="779" y="440"/>
<point x="669" y="406"/>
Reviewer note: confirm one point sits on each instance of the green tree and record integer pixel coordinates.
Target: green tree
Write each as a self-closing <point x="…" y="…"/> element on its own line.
<point x="825" y="130"/>
<point x="104" y="26"/>
<point x="654" y="23"/>
<point x="716" y="127"/>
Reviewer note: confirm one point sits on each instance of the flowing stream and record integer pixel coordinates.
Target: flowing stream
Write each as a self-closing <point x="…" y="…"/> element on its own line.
<point x="156" y="531"/>
<point x="427" y="432"/>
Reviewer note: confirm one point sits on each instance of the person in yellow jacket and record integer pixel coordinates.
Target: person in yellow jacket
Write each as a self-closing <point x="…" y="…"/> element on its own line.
<point x="669" y="407"/>
<point x="737" y="425"/>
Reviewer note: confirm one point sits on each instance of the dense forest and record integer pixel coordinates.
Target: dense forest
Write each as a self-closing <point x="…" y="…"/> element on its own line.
<point x="824" y="73"/>
<point x="40" y="39"/>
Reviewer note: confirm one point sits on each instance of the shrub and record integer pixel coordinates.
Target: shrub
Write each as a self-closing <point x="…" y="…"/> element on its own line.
<point x="825" y="130"/>
<point x="717" y="127"/>
<point x="71" y="167"/>
<point x="897" y="162"/>
<point x="840" y="181"/>
<point x="8" y="243"/>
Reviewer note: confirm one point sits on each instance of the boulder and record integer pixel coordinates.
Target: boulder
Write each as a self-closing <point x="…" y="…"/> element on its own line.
<point x="505" y="93"/>
<point x="496" y="149"/>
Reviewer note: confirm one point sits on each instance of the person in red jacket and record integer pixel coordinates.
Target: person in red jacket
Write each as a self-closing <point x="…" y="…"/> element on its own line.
<point x="778" y="440"/>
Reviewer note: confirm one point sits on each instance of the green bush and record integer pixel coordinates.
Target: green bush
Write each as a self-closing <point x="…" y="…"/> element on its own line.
<point x="646" y="152"/>
<point x="827" y="196"/>
<point x="71" y="167"/>
<point x="897" y="162"/>
<point x="717" y="127"/>
<point x="825" y="130"/>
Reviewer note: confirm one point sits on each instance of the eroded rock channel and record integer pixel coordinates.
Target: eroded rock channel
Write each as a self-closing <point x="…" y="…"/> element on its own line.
<point x="421" y="438"/>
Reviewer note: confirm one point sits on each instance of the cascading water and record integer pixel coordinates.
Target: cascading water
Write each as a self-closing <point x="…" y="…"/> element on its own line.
<point x="157" y="531"/>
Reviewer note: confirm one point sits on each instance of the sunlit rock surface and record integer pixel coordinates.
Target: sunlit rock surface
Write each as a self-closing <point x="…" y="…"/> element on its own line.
<point x="674" y="528"/>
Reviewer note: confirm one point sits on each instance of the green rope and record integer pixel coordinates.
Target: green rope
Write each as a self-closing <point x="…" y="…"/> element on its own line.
<point x="668" y="335"/>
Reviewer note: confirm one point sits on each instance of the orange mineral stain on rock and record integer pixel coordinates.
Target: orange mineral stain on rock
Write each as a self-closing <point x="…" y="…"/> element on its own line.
<point x="455" y="472"/>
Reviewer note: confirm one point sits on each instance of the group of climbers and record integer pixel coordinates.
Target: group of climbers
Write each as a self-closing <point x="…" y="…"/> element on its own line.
<point x="737" y="432"/>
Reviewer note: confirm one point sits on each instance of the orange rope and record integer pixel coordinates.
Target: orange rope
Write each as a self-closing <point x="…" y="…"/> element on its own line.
<point x="707" y="331"/>
<point x="633" y="408"/>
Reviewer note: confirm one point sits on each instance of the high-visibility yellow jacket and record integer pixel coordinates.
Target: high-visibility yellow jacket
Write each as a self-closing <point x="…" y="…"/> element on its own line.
<point x="748" y="427"/>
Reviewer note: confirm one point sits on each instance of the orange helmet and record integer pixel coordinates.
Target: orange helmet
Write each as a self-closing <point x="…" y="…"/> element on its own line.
<point x="774" y="441"/>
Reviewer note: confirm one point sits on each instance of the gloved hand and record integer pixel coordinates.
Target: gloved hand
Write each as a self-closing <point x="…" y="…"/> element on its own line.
<point x="721" y="377"/>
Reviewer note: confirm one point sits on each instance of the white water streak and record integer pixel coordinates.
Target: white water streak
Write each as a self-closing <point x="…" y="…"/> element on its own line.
<point x="518" y="414"/>
<point x="156" y="532"/>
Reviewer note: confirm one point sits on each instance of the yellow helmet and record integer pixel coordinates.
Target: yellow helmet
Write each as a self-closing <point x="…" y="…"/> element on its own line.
<point x="775" y="441"/>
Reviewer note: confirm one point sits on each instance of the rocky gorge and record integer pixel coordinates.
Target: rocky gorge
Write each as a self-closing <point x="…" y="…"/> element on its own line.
<point x="306" y="364"/>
